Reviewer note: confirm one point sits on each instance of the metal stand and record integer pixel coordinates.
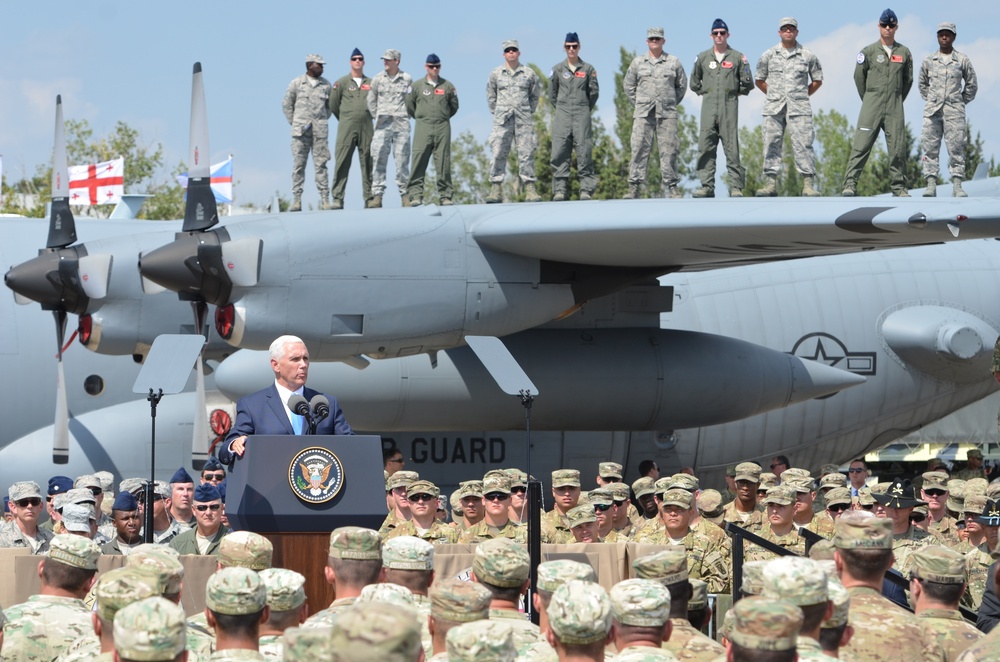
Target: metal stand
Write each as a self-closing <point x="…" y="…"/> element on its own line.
<point x="154" y="399"/>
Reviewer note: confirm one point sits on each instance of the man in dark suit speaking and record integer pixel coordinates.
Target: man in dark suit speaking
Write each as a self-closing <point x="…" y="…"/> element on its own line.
<point x="266" y="412"/>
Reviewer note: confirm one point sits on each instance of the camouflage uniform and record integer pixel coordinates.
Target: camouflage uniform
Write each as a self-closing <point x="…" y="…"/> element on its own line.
<point x="953" y="632"/>
<point x="150" y="629"/>
<point x="458" y="601"/>
<point x="642" y="603"/>
<point x="707" y="560"/>
<point x="579" y="613"/>
<point x="376" y="631"/>
<point x="285" y="592"/>
<point x="349" y="104"/>
<point x="801" y="582"/>
<point x="483" y="531"/>
<point x="946" y="83"/>
<point x="480" y="640"/>
<point x="235" y="592"/>
<point x="306" y="108"/>
<point x="512" y="96"/>
<point x="300" y="645"/>
<point x="353" y="543"/>
<point x="765" y="624"/>
<point x="687" y="643"/>
<point x="387" y="104"/>
<point x="11" y="534"/>
<point x="904" y="544"/>
<point x="654" y="87"/>
<point x="503" y="563"/>
<point x="986" y="649"/>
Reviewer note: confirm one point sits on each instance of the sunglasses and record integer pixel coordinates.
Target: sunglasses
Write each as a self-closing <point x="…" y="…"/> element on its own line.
<point x="572" y="47"/>
<point x="496" y="496"/>
<point x="30" y="501"/>
<point x="357" y="59"/>
<point x="214" y="476"/>
<point x="839" y="508"/>
<point x="887" y="25"/>
<point x="510" y="50"/>
<point x="619" y="503"/>
<point x="207" y="506"/>
<point x="421" y="497"/>
<point x="935" y="492"/>
<point x="396" y="460"/>
<point x="433" y="66"/>
<point x="602" y="506"/>
<point x="719" y="33"/>
<point x="518" y="490"/>
<point x="870" y="506"/>
<point x="96" y="491"/>
<point x="855" y="470"/>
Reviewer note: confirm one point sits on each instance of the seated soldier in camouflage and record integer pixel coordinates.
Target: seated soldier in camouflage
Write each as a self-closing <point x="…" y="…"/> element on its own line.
<point x="151" y="629"/>
<point x="640" y="615"/>
<point x="764" y="625"/>
<point x="897" y="503"/>
<point x="287" y="608"/>
<point x="396" y="485"/>
<point x="583" y="523"/>
<point x="496" y="523"/>
<point x="354" y="561"/>
<point x="779" y="529"/>
<point x="376" y="632"/>
<point x="453" y="602"/>
<point x="579" y="621"/>
<point x="502" y="566"/>
<point x="481" y="641"/>
<point x="565" y="495"/>
<point x="423" y="524"/>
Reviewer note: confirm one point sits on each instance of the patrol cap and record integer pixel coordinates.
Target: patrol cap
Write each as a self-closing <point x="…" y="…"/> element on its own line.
<point x="580" y="613"/>
<point x="699" y="595"/>
<point x="795" y="579"/>
<point x="767" y="479"/>
<point x="993" y="489"/>
<point x="765" y="624"/>
<point x="937" y="563"/>
<point x="782" y="495"/>
<point x="654" y="33"/>
<point x="407" y="553"/>
<point x="307" y="644"/>
<point x="719" y="24"/>
<point x="684" y="482"/>
<point x="602" y="495"/>
<point x="619" y="491"/>
<point x="935" y="480"/>
<point x="641" y="602"/>
<point x="832" y="480"/>
<point x="802" y="485"/>
<point x="313" y="57"/>
<point x="422" y="487"/>
<point x="107" y="479"/>
<point x="974" y="452"/>
<point x="644" y="486"/>
<point x="579" y="515"/>
<point x="132" y="485"/>
<point x="181" y="476"/>
<point x="975" y="486"/>
<point x="125" y="502"/>
<point x="517" y="478"/>
<point x="501" y="562"/>
<point x="162" y="489"/>
<point x="748" y="471"/>
<point x="150" y="630"/>
<point x="609" y="470"/>
<point x="59" y="485"/>
<point x="245" y="549"/>
<point x="355" y="543"/>
<point x="162" y="560"/>
<point x="391" y="54"/>
<point x="235" y="591"/>
<point x="462" y="601"/>
<point x="857" y="529"/>
<point x="498" y="483"/>
<point x="838" y="496"/>
<point x="669" y="566"/>
<point x="888" y="17"/>
<point x="481" y="641"/>
<point x="207" y="493"/>
<point x="571" y="38"/>
<point x="662" y="485"/>
<point x="956" y="495"/>
<point x="75" y="495"/>
<point x="991" y="513"/>
<point x="841" y="600"/>
<point x="865" y="497"/>
<point x="376" y="632"/>
<point x="510" y="43"/>
<point x="77" y="517"/>
<point x="565" y="478"/>
<point x="677" y="497"/>
<point x="753" y="577"/>
<point x="393" y="594"/>
<point x="25" y="489"/>
<point x="402" y="479"/>
<point x="75" y="551"/>
<point x="788" y="20"/>
<point x="731" y="470"/>
<point x="710" y="506"/>
<point x="470" y="488"/>
<point x="974" y="504"/>
<point x="89" y="481"/>
<point x="829" y="468"/>
<point x="120" y="587"/>
<point x="433" y="59"/>
<point x="553" y="574"/>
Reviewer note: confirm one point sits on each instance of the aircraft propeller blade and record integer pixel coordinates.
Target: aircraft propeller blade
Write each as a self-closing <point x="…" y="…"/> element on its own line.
<point x="60" y="438"/>
<point x="200" y="211"/>
<point x="62" y="227"/>
<point x="199" y="438"/>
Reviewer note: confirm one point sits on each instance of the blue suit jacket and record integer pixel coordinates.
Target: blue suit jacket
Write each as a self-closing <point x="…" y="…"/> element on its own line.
<point x="263" y="413"/>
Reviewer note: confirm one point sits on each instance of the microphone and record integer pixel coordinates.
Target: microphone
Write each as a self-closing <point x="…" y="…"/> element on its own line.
<point x="298" y="405"/>
<point x="320" y="407"/>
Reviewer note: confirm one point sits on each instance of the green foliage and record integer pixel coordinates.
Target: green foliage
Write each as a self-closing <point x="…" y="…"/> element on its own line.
<point x="167" y="202"/>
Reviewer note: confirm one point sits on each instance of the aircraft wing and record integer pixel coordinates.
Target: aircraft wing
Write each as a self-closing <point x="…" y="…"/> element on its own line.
<point x="701" y="234"/>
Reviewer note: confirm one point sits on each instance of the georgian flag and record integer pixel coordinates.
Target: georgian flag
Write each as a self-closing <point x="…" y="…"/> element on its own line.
<point x="222" y="180"/>
<point x="98" y="183"/>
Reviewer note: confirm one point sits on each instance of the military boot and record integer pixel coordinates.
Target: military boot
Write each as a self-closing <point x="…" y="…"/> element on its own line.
<point x="586" y="195"/>
<point x="531" y="193"/>
<point x="703" y="192"/>
<point x="296" y="204"/>
<point x="674" y="192"/>
<point x="375" y="202"/>
<point x="633" y="192"/>
<point x="770" y="189"/>
<point x="325" y="202"/>
<point x="931" y="190"/>
<point x="337" y="204"/>
<point x="406" y="201"/>
<point x="559" y="196"/>
<point x="735" y="192"/>
<point x="809" y="186"/>
<point x="496" y="194"/>
<point x="957" y="191"/>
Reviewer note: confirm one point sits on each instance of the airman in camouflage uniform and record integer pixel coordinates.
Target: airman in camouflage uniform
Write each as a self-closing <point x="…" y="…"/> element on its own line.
<point x="302" y="645"/>
<point x="745" y="510"/>
<point x="424" y="524"/>
<point x="496" y="523"/>
<point x="622" y="523"/>
<point x="640" y="607"/>
<point x="565" y="495"/>
<point x="306" y="108"/>
<point x="552" y="575"/>
<point x="573" y="92"/>
<point x="454" y="601"/>
<point x="934" y="490"/>
<point x="502" y="566"/>
<point x="396" y="485"/>
<point x="286" y="593"/>
<point x="481" y="641"/>
<point x="376" y="632"/>
<point x="764" y="624"/>
<point x="654" y="84"/>
<point x="805" y="495"/>
<point x="22" y="530"/>
<point x="788" y="73"/>
<point x="237" y="592"/>
<point x="579" y="615"/>
<point x="947" y="82"/>
<point x="780" y="528"/>
<point x="349" y="104"/>
<point x="936" y="586"/>
<point x="409" y="562"/>
<point x="803" y="583"/>
<point x="150" y="629"/>
<point x="512" y="93"/>
<point x="355" y="546"/>
<point x="387" y="104"/>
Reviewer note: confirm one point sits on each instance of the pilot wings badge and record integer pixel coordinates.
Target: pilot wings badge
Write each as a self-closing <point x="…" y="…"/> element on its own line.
<point x="315" y="475"/>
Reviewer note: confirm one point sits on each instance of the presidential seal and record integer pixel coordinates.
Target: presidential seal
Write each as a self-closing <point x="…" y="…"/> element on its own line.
<point x="315" y="475"/>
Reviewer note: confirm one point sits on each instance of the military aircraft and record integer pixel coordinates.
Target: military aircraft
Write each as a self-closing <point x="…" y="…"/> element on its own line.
<point x="571" y="282"/>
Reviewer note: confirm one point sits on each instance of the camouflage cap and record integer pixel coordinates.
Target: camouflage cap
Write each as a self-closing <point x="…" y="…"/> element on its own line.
<point x="781" y="495"/>
<point x="393" y="594"/>
<point x="602" y="495"/>
<point x="24" y="489"/>
<point x="937" y="563"/>
<point x="619" y="491"/>
<point x="401" y="479"/>
<point x="553" y="574"/>
<point x="286" y="589"/>
<point x="609" y="470"/>
<point x="79" y="495"/>
<point x="162" y="560"/>
<point x="699" y="595"/>
<point x="865" y="497"/>
<point x="355" y="543"/>
<point x="991" y="513"/>
<point x="798" y="483"/>
<point x="107" y="479"/>
<point x="767" y="479"/>
<point x="644" y="486"/>
<point x="880" y="488"/>
<point x="510" y="43"/>
<point x="974" y="452"/>
<point x="795" y="472"/>
<point x="307" y="644"/>
<point x="710" y="506"/>
<point x="753" y="577"/>
<point x="731" y="470"/>
<point x="408" y="553"/>
<point x="245" y="549"/>
<point x="422" y="487"/>
<point x="669" y="566"/>
<point x="376" y="632"/>
<point x="235" y="591"/>
<point x="131" y="485"/>
<point x="88" y="481"/>
<point x="748" y="471"/>
<point x="956" y="495"/>
<point x="501" y="562"/>
<point x="77" y="517"/>
<point x="499" y="483"/>
<point x="795" y="579"/>
<point x="976" y="486"/>
<point x="580" y="613"/>
<point x="993" y="489"/>
<point x="935" y="480"/>
<point x="787" y="20"/>
<point x="765" y="624"/>
<point x="677" y="497"/>
<point x="841" y="600"/>
<point x="683" y="482"/>
<point x="831" y="480"/>
<point x="517" y="478"/>
<point x="314" y="57"/>
<point x="455" y="501"/>
<point x="565" y="478"/>
<point x="473" y="488"/>
<point x="150" y="630"/>
<point x="822" y="550"/>
<point x="391" y="54"/>
<point x="641" y="602"/>
<point x="462" y="601"/>
<point x="830" y="468"/>
<point x="580" y="515"/>
<point x="838" y="496"/>
<point x="121" y="587"/>
<point x="654" y="33"/>
<point x="975" y="504"/>
<point x="484" y="640"/>
<point x="75" y="551"/>
<point x="857" y="529"/>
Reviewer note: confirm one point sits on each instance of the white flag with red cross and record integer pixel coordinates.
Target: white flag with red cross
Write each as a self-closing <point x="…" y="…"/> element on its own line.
<point x="97" y="183"/>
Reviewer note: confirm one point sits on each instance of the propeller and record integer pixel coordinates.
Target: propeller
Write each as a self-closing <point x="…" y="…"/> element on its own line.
<point x="62" y="278"/>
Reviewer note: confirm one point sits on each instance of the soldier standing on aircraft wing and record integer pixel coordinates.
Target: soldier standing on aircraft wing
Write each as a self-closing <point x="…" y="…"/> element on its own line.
<point x="305" y="107"/>
<point x="947" y="82"/>
<point x="654" y="84"/>
<point x="883" y="76"/>
<point x="432" y="102"/>
<point x="720" y="75"/>
<point x="387" y="104"/>
<point x="512" y="93"/>
<point x="788" y="74"/>
<point x="573" y="91"/>
<point x="349" y="104"/>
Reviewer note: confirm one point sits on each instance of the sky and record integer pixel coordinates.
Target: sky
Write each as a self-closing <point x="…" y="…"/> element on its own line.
<point x="132" y="62"/>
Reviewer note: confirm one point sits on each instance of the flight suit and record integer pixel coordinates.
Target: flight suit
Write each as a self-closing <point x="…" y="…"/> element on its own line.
<point x="883" y="81"/>
<point x="720" y="84"/>
<point x="349" y="104"/>
<point x="573" y="92"/>
<point x="432" y="105"/>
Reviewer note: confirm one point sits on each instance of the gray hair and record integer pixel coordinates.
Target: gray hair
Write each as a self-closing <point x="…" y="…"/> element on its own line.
<point x="277" y="348"/>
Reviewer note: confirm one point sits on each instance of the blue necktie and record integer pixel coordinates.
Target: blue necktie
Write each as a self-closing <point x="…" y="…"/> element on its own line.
<point x="297" y="423"/>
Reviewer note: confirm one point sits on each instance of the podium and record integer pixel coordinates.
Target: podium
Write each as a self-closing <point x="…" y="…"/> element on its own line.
<point x="261" y="497"/>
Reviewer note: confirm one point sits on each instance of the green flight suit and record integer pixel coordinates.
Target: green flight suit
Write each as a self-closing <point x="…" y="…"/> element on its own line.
<point x="883" y="81"/>
<point x="573" y="93"/>
<point x="349" y="104"/>
<point x="432" y="105"/>
<point x="720" y="85"/>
